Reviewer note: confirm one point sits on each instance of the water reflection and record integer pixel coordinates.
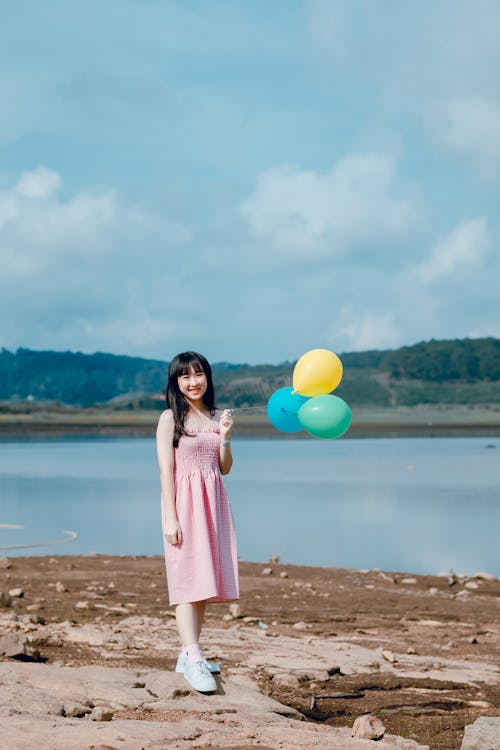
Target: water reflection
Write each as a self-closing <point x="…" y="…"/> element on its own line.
<point x="352" y="503"/>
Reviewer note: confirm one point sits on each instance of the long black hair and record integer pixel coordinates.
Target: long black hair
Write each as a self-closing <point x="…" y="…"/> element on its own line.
<point x="181" y="365"/>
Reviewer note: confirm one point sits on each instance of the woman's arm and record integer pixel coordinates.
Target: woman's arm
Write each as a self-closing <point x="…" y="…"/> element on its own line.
<point x="225" y="455"/>
<point x="165" y="450"/>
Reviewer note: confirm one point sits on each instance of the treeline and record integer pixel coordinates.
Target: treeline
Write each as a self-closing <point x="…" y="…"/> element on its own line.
<point x="462" y="371"/>
<point x="76" y="378"/>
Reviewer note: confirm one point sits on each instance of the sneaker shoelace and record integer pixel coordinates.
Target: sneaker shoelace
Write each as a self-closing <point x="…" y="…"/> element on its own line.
<point x="202" y="667"/>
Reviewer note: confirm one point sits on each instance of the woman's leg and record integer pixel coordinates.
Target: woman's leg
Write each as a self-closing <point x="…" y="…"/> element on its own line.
<point x="189" y="617"/>
<point x="200" y="616"/>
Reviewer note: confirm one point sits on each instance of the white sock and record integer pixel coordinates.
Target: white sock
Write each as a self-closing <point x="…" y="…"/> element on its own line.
<point x="193" y="652"/>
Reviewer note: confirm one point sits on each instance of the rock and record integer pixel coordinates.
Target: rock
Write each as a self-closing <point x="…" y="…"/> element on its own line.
<point x="471" y="585"/>
<point x="235" y="610"/>
<point x="91" y="636"/>
<point x="409" y="581"/>
<point x="17" y="593"/>
<point x="385" y="577"/>
<point x="286" y="680"/>
<point x="485" y="576"/>
<point x="227" y="617"/>
<point x="33" y="619"/>
<point x="410" y="650"/>
<point x="433" y="591"/>
<point x="75" y="710"/>
<point x="60" y="587"/>
<point x="13" y="645"/>
<point x="5" y="599"/>
<point x="389" y="656"/>
<point x="283" y="574"/>
<point x="266" y="572"/>
<point x="85" y="605"/>
<point x="368" y="727"/>
<point x="100" y="713"/>
<point x="5" y="563"/>
<point x="484" y="734"/>
<point x="301" y="626"/>
<point x="321" y="675"/>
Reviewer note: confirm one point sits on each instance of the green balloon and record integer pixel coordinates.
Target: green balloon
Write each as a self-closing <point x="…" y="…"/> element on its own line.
<point x="325" y="416"/>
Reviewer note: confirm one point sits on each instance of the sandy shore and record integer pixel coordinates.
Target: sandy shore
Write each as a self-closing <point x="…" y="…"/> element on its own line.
<point x="418" y="652"/>
<point x="367" y="422"/>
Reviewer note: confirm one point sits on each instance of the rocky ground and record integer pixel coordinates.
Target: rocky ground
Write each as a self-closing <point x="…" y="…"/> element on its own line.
<point x="305" y="653"/>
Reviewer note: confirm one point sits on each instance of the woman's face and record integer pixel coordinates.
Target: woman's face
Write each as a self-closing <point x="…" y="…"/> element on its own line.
<point x="193" y="385"/>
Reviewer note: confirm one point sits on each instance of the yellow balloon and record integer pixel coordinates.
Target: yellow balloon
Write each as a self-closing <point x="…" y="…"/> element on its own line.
<point x="317" y="372"/>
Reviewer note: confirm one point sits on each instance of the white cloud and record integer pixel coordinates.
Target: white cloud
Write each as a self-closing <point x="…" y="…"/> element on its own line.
<point x="38" y="183"/>
<point x="361" y="330"/>
<point x="469" y="126"/>
<point x="307" y="213"/>
<point x="466" y="245"/>
<point x="91" y="270"/>
<point x="443" y="73"/>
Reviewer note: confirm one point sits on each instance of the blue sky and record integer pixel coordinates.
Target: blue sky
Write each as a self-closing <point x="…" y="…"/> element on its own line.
<point x="248" y="179"/>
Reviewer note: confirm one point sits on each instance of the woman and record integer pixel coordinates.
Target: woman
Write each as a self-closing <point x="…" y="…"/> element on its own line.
<point x="194" y="451"/>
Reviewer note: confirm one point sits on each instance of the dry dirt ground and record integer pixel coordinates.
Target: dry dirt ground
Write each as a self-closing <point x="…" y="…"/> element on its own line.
<point x="434" y="640"/>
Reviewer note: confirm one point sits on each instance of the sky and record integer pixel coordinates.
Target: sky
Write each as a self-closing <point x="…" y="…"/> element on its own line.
<point x="248" y="179"/>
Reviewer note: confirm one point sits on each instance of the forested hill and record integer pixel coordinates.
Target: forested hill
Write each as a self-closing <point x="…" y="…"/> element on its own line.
<point x="465" y="371"/>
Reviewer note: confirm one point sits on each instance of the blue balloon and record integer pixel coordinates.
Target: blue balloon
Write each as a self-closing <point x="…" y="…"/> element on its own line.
<point x="282" y="409"/>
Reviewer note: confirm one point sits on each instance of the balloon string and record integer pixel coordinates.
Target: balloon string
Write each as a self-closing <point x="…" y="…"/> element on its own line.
<point x="257" y="407"/>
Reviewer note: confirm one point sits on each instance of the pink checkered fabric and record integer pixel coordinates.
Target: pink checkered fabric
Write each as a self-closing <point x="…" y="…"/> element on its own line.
<point x="205" y="566"/>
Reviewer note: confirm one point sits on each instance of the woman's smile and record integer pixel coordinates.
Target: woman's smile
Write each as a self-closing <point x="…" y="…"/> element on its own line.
<point x="193" y="384"/>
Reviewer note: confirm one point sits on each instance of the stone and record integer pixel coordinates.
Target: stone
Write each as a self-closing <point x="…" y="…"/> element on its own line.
<point x="485" y="576"/>
<point x="409" y="581"/>
<point x="85" y="605"/>
<point x="321" y="675"/>
<point x="5" y="563"/>
<point x="5" y="599"/>
<point x="484" y="734"/>
<point x="283" y="574"/>
<point x="13" y="645"/>
<point x="368" y="727"/>
<point x="388" y="656"/>
<point x="16" y="593"/>
<point x="33" y="619"/>
<point x="471" y="585"/>
<point x="75" y="710"/>
<point x="235" y="610"/>
<point x="101" y="713"/>
<point x="286" y="680"/>
<point x="266" y="572"/>
<point x="60" y="587"/>
<point x="301" y="626"/>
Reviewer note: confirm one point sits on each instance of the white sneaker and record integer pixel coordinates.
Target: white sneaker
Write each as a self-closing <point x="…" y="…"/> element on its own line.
<point x="198" y="676"/>
<point x="213" y="667"/>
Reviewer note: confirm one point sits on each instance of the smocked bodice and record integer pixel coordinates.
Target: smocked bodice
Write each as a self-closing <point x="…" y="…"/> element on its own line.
<point x="198" y="452"/>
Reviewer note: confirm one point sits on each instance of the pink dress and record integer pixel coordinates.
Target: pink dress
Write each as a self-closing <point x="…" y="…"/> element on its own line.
<point x="205" y="565"/>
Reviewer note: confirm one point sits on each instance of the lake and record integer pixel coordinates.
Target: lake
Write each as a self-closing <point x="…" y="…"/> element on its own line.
<point x="422" y="505"/>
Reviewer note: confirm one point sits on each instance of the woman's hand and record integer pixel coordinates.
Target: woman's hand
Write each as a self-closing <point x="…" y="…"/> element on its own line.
<point x="226" y="424"/>
<point x="173" y="532"/>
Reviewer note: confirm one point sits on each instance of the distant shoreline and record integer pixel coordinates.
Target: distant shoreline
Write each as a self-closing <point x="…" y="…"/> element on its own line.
<point x="410" y="422"/>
